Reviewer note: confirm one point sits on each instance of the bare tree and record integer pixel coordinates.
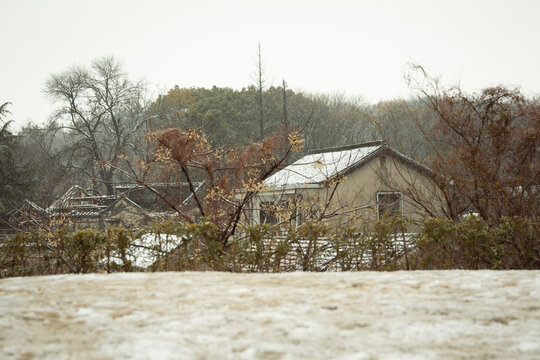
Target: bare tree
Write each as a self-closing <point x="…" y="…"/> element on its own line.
<point x="101" y="114"/>
<point x="485" y="149"/>
<point x="401" y="123"/>
<point x="285" y="114"/>
<point x="221" y="182"/>
<point x="260" y="89"/>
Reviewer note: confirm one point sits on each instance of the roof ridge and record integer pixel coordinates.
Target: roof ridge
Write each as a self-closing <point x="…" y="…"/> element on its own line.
<point x="347" y="147"/>
<point x="307" y="169"/>
<point x="120" y="198"/>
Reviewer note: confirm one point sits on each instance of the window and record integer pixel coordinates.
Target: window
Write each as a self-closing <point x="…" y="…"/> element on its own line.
<point x="268" y="214"/>
<point x="307" y="213"/>
<point x="389" y="204"/>
<point x="274" y="213"/>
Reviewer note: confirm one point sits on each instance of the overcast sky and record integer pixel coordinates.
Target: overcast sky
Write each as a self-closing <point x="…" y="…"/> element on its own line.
<point x="359" y="48"/>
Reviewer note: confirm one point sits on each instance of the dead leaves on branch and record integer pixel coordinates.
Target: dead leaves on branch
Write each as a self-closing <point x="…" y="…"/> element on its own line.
<point x="488" y="149"/>
<point x="223" y="171"/>
<point x="182" y="146"/>
<point x="191" y="149"/>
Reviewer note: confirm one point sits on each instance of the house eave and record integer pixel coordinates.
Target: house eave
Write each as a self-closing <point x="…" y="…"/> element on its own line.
<point x="292" y="187"/>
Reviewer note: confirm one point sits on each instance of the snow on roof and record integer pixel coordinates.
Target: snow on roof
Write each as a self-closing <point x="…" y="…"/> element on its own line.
<point x="76" y="213"/>
<point x="316" y="168"/>
<point x="26" y="203"/>
<point x="63" y="200"/>
<point x="126" y="199"/>
<point x="154" y="184"/>
<point x="34" y="205"/>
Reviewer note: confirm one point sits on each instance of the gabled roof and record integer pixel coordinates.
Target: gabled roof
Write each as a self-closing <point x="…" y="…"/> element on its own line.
<point x="121" y="199"/>
<point x="323" y="165"/>
<point x="318" y="167"/>
<point x="73" y="192"/>
<point x="26" y="204"/>
<point x="33" y="205"/>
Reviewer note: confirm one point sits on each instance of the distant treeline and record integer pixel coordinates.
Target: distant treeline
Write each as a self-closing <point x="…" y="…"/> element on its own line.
<point x="231" y="117"/>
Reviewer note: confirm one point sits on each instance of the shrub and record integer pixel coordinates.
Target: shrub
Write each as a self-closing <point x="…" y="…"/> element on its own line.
<point x="473" y="244"/>
<point x="470" y="243"/>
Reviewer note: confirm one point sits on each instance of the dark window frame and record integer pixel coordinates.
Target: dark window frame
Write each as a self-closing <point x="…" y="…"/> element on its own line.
<point x="391" y="207"/>
<point x="269" y="215"/>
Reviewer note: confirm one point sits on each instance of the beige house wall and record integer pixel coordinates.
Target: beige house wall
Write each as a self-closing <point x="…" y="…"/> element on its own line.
<point x="354" y="200"/>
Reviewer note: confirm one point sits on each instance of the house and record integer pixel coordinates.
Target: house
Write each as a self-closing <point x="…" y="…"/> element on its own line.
<point x="77" y="208"/>
<point x="348" y="185"/>
<point x="131" y="205"/>
<point x="175" y="192"/>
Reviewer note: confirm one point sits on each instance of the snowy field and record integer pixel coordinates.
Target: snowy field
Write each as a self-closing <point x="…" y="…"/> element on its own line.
<point x="367" y="315"/>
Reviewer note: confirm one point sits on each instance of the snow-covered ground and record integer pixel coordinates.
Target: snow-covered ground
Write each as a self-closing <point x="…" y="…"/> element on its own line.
<point x="145" y="250"/>
<point x="365" y="315"/>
